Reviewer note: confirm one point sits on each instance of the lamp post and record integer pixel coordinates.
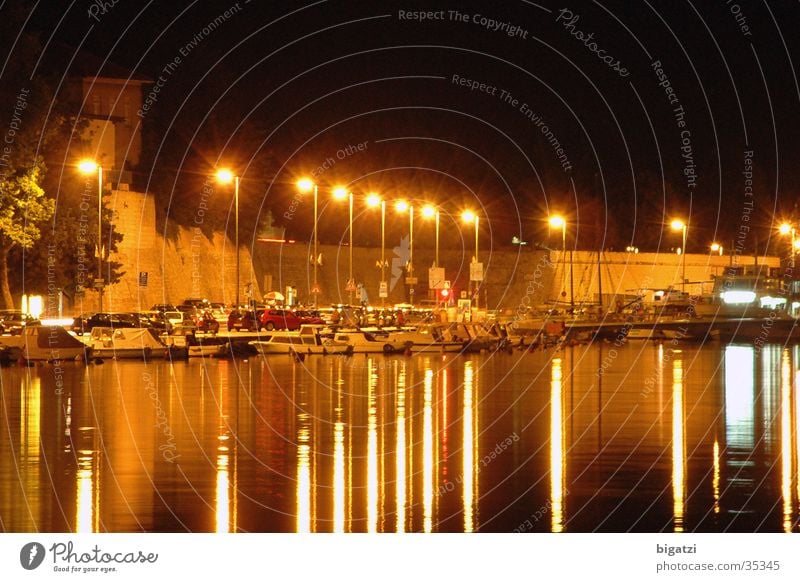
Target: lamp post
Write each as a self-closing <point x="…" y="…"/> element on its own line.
<point x="373" y="200"/>
<point x="341" y="193"/>
<point x="470" y="217"/>
<point x="785" y="229"/>
<point x="403" y="206"/>
<point x="681" y="225"/>
<point x="716" y="248"/>
<point x="430" y="211"/>
<point x="306" y="185"/>
<point x="559" y="222"/>
<point x="90" y="167"/>
<point x="226" y="176"/>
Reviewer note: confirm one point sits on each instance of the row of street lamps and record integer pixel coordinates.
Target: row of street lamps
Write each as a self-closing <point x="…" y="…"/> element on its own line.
<point x="374" y="200"/>
<point x="306" y="185"/>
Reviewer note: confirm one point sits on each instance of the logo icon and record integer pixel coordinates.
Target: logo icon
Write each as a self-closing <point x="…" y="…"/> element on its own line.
<point x="31" y="555"/>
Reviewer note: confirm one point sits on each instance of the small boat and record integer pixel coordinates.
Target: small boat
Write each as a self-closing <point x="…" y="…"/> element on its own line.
<point x="309" y="339"/>
<point x="51" y="343"/>
<point x="370" y="342"/>
<point x="645" y="333"/>
<point x="431" y="338"/>
<point x="125" y="343"/>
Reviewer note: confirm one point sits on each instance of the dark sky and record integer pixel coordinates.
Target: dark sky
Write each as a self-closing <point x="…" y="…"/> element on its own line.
<point x="279" y="88"/>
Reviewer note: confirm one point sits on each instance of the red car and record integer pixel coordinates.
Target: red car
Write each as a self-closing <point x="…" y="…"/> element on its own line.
<point x="242" y="320"/>
<point x="279" y="319"/>
<point x="310" y="317"/>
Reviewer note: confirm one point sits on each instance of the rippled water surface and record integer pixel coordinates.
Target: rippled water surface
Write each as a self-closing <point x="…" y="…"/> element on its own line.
<point x="644" y="437"/>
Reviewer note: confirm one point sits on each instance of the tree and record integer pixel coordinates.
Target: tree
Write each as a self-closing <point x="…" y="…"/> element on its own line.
<point x="37" y="126"/>
<point x="23" y="208"/>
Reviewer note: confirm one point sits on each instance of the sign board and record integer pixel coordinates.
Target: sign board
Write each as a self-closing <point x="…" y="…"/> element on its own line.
<point x="142" y="278"/>
<point x="476" y="271"/>
<point x="411" y="281"/>
<point x="436" y="278"/>
<point x="383" y="291"/>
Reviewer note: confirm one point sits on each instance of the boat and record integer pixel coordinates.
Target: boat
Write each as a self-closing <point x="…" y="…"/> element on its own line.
<point x="431" y="337"/>
<point x="309" y="339"/>
<point x="51" y="343"/>
<point x="125" y="343"/>
<point x="370" y="342"/>
<point x="479" y="337"/>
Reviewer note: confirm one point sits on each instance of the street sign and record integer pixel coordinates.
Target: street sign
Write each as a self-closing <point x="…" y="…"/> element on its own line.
<point x="383" y="292"/>
<point x="436" y="278"/>
<point x="142" y="278"/>
<point x="411" y="281"/>
<point x="476" y="271"/>
<point x="351" y="285"/>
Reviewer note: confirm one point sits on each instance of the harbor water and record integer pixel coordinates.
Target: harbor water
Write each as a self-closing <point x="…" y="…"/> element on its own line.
<point x="645" y="436"/>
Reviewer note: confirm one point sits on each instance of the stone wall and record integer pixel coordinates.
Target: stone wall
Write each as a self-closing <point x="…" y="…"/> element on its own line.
<point x="191" y="265"/>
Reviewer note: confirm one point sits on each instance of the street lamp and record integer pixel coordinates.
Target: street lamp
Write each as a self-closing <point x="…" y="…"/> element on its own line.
<point x="373" y="201"/>
<point x="403" y="206"/>
<point x="226" y="176"/>
<point x="430" y="211"/>
<point x="340" y="193"/>
<point x="557" y="221"/>
<point x="88" y="167"/>
<point x="470" y="217"/>
<point x="305" y="185"/>
<point x="716" y="248"/>
<point x="681" y="225"/>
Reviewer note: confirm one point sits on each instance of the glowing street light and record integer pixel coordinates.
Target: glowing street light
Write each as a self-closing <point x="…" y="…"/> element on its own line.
<point x="716" y="248"/>
<point x="342" y="193"/>
<point x="88" y="167"/>
<point x="557" y="221"/>
<point x="373" y="201"/>
<point x="226" y="176"/>
<point x="678" y="224"/>
<point x="306" y="185"/>
<point x="785" y="229"/>
<point x="470" y="217"/>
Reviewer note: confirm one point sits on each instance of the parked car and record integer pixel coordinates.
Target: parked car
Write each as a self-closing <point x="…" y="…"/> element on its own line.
<point x="243" y="320"/>
<point x="158" y="321"/>
<point x="310" y="317"/>
<point x="204" y="321"/>
<point x="162" y="307"/>
<point x="84" y="324"/>
<point x="279" y="319"/>
<point x="13" y="321"/>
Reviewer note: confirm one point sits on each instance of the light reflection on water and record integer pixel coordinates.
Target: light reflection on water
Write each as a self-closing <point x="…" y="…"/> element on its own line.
<point x="424" y="443"/>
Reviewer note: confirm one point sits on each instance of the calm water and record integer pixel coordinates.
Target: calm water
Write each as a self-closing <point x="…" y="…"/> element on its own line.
<point x="693" y="439"/>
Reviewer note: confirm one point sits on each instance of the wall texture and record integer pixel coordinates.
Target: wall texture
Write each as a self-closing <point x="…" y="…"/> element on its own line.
<point x="192" y="265"/>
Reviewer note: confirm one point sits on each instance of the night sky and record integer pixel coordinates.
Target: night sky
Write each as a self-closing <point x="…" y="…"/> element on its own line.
<point x="618" y="116"/>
